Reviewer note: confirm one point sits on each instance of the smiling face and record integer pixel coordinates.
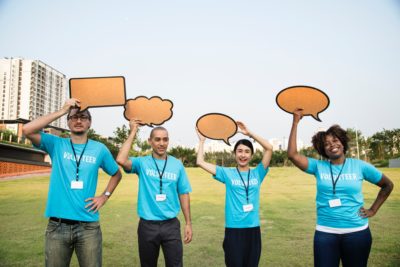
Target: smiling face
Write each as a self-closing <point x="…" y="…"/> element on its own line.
<point x="79" y="122"/>
<point x="159" y="141"/>
<point x="333" y="147"/>
<point x="243" y="155"/>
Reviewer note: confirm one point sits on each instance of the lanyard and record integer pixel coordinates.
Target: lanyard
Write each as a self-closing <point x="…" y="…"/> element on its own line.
<point x="78" y="162"/>
<point x="158" y="170"/>
<point x="246" y="188"/>
<point x="337" y="178"/>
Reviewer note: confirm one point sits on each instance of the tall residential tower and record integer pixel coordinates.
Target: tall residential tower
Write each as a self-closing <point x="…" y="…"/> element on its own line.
<point x="30" y="89"/>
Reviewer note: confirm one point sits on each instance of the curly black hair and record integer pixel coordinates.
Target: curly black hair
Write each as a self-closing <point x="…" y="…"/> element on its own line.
<point x="335" y="130"/>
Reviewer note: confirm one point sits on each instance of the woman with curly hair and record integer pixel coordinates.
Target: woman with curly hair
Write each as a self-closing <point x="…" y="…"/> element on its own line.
<point x="342" y="232"/>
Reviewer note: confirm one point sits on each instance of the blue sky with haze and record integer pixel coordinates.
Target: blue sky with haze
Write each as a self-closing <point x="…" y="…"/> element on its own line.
<point x="231" y="57"/>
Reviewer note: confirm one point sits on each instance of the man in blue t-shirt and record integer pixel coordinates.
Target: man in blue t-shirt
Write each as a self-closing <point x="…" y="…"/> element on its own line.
<point x="163" y="189"/>
<point x="72" y="207"/>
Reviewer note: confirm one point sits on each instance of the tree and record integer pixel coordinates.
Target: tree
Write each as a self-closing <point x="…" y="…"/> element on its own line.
<point x="121" y="134"/>
<point x="257" y="157"/>
<point x="94" y="136"/>
<point x="385" y="144"/>
<point x="310" y="152"/>
<point x="221" y="158"/>
<point x="186" y="155"/>
<point x="362" y="143"/>
<point x="279" y="158"/>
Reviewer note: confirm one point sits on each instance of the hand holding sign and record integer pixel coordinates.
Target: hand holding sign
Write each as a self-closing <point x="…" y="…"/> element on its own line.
<point x="217" y="126"/>
<point x="98" y="92"/>
<point x="310" y="100"/>
<point x="153" y="111"/>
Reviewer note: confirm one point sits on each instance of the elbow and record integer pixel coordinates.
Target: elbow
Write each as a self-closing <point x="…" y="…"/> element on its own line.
<point x="120" y="161"/>
<point x="199" y="162"/>
<point x="25" y="130"/>
<point x="390" y="186"/>
<point x="291" y="156"/>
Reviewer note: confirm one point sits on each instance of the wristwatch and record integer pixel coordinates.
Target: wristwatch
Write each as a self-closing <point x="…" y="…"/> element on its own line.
<point x="107" y="194"/>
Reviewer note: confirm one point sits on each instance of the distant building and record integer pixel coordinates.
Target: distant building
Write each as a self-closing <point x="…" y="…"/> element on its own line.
<point x="282" y="144"/>
<point x="30" y="89"/>
<point x="218" y="145"/>
<point x="394" y="163"/>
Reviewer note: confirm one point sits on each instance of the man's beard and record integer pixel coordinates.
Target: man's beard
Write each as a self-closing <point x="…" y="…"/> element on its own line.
<point x="80" y="133"/>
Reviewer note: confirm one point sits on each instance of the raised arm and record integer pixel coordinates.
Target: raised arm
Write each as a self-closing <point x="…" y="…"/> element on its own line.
<point x="123" y="154"/>
<point x="211" y="168"/>
<point x="267" y="154"/>
<point x="31" y="129"/>
<point x="299" y="160"/>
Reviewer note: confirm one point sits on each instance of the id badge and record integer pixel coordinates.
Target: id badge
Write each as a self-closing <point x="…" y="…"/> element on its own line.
<point x="335" y="203"/>
<point x="161" y="197"/>
<point x="76" y="184"/>
<point x="247" y="207"/>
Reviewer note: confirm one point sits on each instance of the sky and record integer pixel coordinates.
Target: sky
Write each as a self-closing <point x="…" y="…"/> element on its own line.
<point x="231" y="57"/>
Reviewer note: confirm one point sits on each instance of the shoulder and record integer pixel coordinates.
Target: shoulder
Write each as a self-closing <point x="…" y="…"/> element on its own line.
<point x="141" y="158"/>
<point x="356" y="162"/>
<point x="174" y="160"/>
<point x="322" y="162"/>
<point x="97" y="144"/>
<point x="52" y="137"/>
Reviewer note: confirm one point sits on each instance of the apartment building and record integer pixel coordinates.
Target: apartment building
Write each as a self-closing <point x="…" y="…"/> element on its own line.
<point x="30" y="89"/>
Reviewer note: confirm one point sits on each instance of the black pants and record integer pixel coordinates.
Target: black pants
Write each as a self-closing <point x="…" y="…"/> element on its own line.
<point x="152" y="235"/>
<point x="242" y="247"/>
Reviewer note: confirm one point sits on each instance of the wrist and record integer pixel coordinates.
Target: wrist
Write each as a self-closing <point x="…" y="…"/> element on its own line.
<point x="107" y="194"/>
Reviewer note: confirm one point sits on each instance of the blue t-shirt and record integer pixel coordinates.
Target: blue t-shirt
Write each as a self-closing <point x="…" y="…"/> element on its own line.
<point x="235" y="195"/>
<point x="62" y="201"/>
<point x="174" y="183"/>
<point x="348" y="190"/>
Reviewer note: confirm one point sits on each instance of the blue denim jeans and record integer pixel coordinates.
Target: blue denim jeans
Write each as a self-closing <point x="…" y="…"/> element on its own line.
<point x="62" y="239"/>
<point x="352" y="249"/>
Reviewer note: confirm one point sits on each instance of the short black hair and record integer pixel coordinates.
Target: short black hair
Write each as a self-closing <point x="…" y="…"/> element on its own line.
<point x="244" y="142"/>
<point x="335" y="130"/>
<point x="86" y="111"/>
<point x="156" y="129"/>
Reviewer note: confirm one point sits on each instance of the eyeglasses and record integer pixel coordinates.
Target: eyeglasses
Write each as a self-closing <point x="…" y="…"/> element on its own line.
<point x="75" y="118"/>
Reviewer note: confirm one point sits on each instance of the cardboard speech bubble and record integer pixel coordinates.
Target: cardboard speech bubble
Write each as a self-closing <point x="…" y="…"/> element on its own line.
<point x="153" y="111"/>
<point x="98" y="91"/>
<point x="217" y="126"/>
<point x="312" y="100"/>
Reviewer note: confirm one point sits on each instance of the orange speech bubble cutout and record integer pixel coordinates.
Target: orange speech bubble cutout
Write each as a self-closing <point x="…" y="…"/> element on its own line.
<point x="217" y="126"/>
<point x="153" y="111"/>
<point x="98" y="91"/>
<point x="312" y="100"/>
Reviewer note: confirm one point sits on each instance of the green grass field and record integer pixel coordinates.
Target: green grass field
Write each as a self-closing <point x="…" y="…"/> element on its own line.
<point x="287" y="221"/>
